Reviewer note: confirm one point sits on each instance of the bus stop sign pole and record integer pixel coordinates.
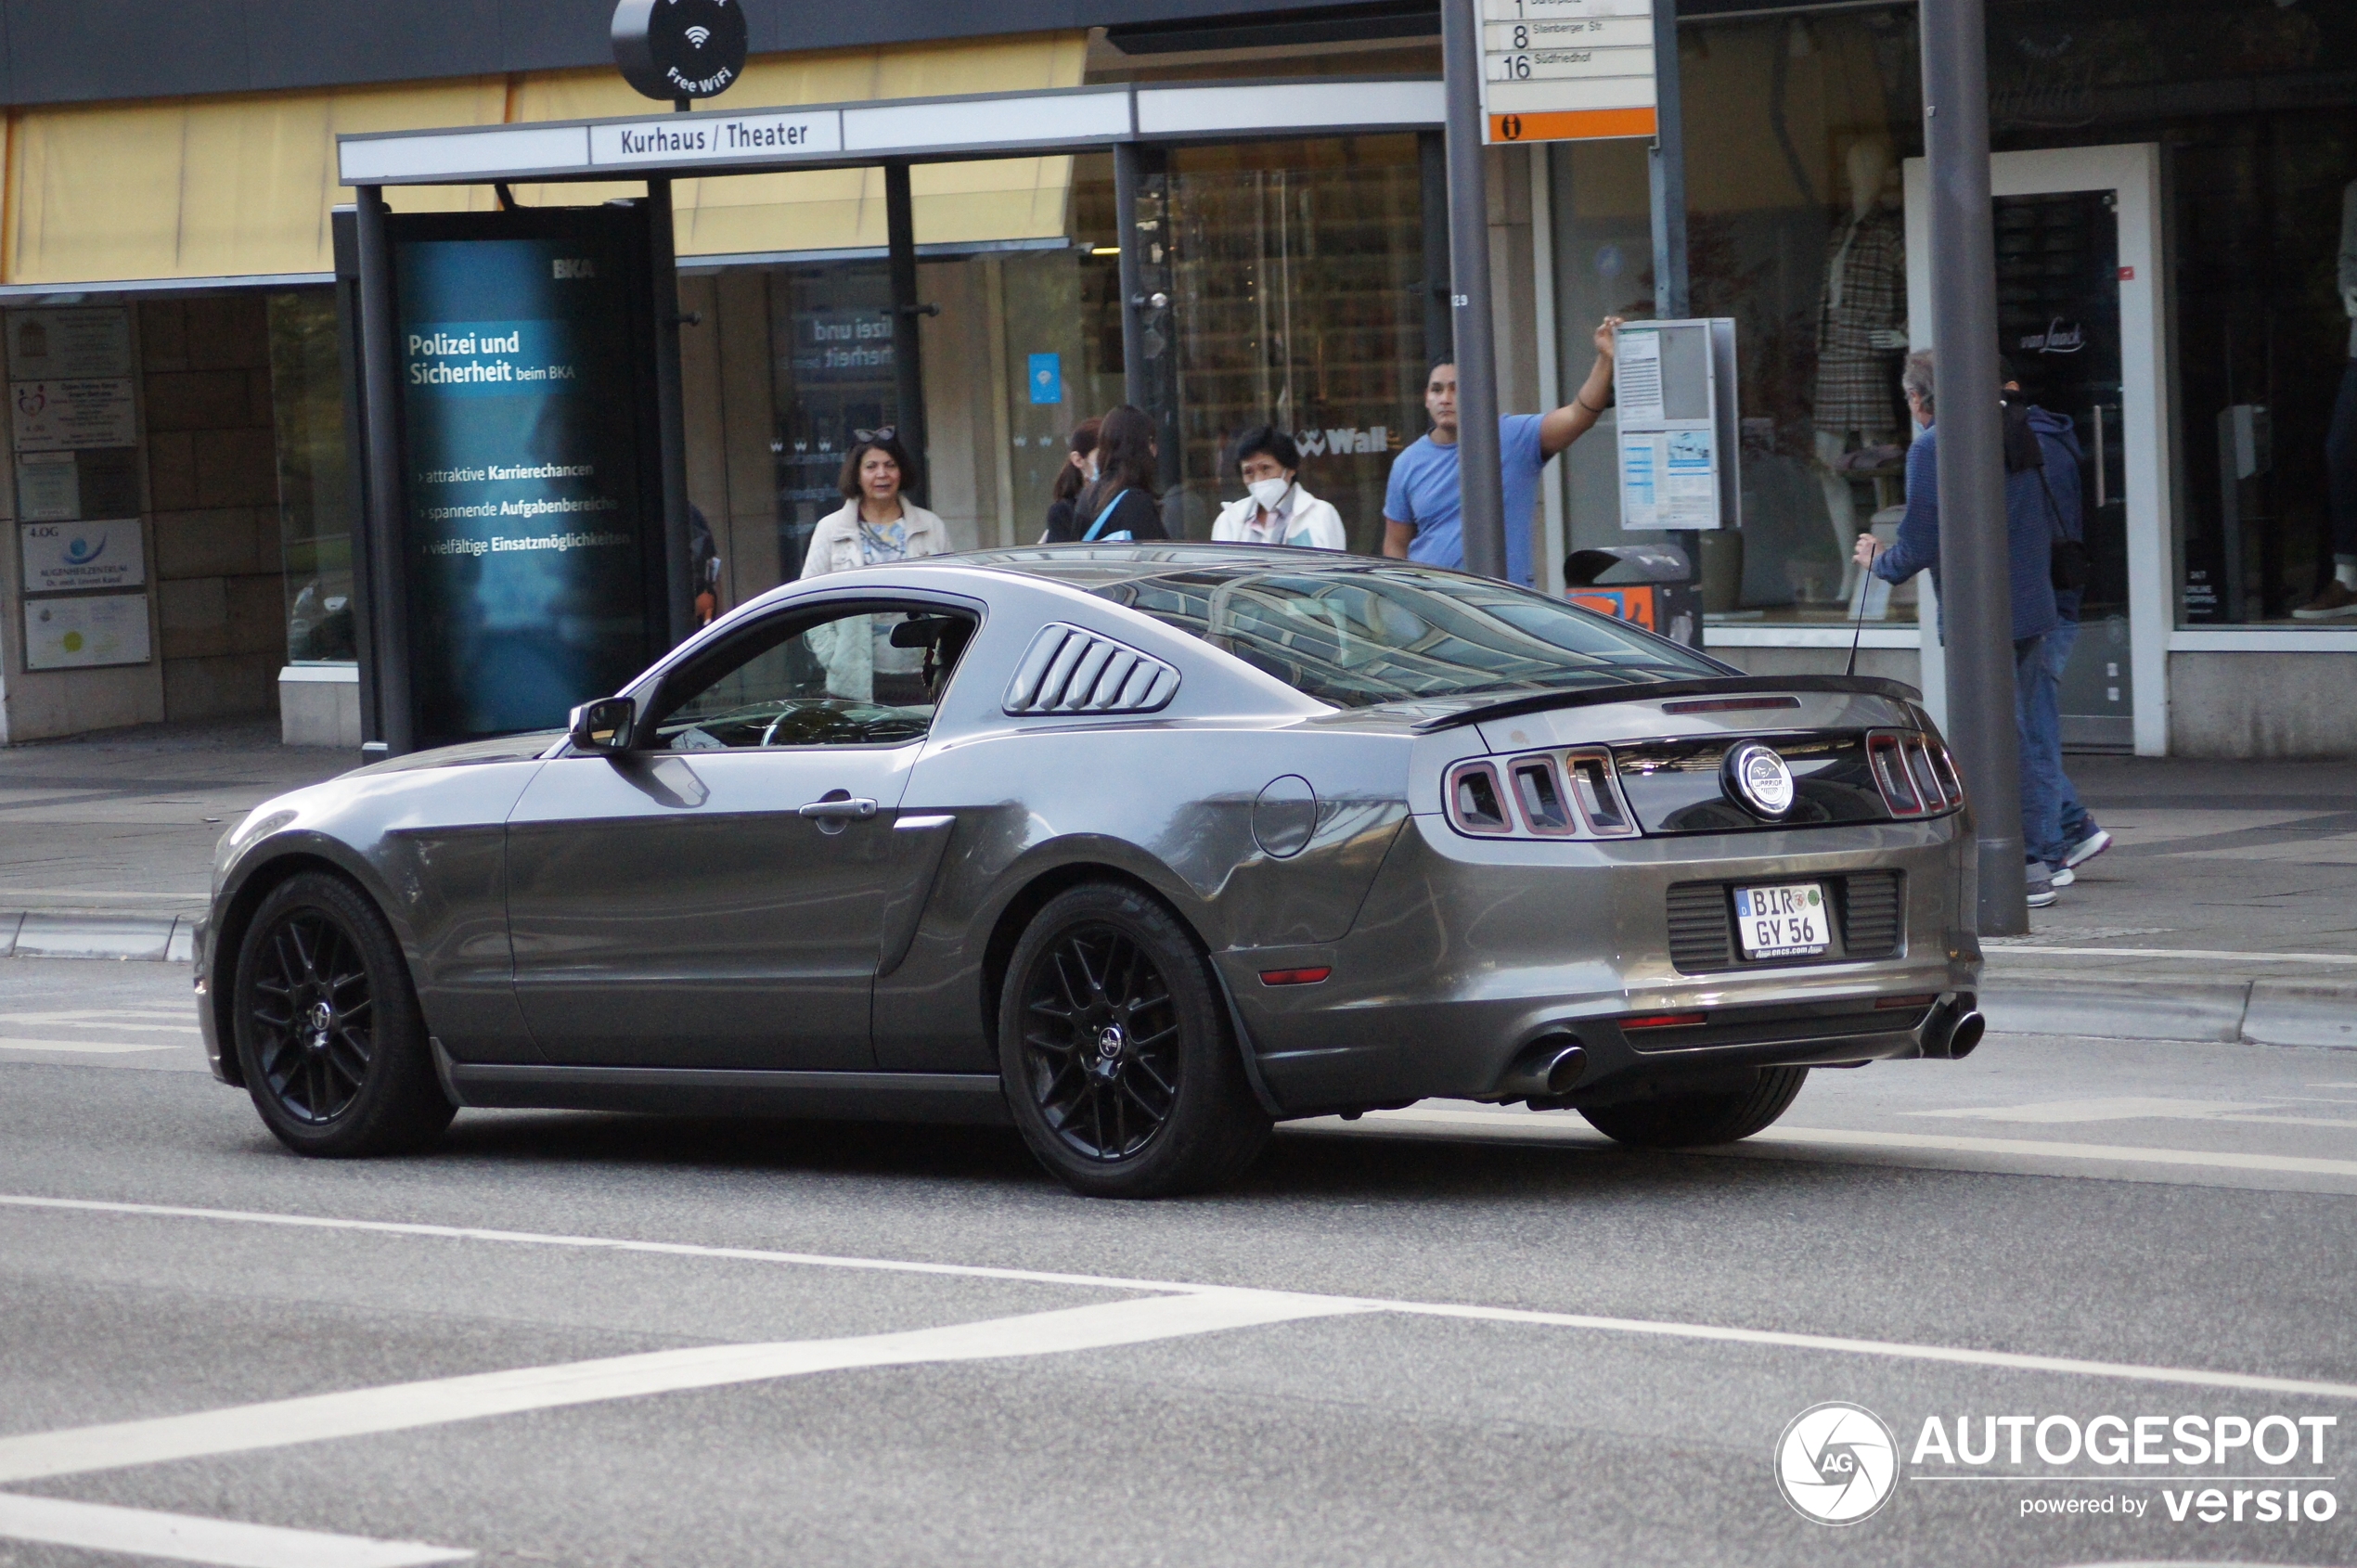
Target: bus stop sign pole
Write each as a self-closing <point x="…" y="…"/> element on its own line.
<point x="1975" y="577"/>
<point x="1480" y="482"/>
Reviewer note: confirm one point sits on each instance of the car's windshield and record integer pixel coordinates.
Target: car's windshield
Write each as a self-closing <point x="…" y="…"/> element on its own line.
<point x="1359" y="635"/>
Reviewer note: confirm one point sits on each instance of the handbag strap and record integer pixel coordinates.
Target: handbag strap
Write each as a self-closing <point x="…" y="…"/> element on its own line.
<point x="1103" y="516"/>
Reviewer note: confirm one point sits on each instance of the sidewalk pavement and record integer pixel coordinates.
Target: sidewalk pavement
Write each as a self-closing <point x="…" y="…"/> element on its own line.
<point x="2226" y="910"/>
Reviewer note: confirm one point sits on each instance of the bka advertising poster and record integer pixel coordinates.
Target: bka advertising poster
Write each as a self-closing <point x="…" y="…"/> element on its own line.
<point x="529" y="521"/>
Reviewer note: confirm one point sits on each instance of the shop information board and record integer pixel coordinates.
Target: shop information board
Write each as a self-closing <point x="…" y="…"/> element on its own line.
<point x="75" y="419"/>
<point x="1567" y="70"/>
<point x="531" y="538"/>
<point x="1674" y="406"/>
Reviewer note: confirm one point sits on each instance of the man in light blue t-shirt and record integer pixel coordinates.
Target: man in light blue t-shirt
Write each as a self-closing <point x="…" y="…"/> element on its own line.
<point x="1422" y="509"/>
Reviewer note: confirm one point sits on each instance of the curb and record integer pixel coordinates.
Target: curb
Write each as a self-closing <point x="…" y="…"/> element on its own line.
<point x="126" y="938"/>
<point x="2258" y="1012"/>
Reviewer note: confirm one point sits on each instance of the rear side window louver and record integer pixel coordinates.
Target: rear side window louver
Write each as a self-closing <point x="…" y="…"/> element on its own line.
<point x="1067" y="669"/>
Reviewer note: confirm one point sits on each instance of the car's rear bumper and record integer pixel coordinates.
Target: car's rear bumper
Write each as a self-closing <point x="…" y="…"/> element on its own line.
<point x="1468" y="955"/>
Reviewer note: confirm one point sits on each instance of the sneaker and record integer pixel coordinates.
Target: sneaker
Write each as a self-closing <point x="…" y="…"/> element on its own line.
<point x="2086" y="849"/>
<point x="2041" y="887"/>
<point x="2337" y="602"/>
<point x="2063" y="878"/>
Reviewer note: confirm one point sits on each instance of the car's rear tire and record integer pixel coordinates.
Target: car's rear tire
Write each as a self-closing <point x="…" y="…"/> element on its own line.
<point x="1113" y="1042"/>
<point x="1696" y="1120"/>
<point x="328" y="1028"/>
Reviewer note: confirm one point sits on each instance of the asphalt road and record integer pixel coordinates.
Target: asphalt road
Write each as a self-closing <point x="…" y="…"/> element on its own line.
<point x="1453" y="1335"/>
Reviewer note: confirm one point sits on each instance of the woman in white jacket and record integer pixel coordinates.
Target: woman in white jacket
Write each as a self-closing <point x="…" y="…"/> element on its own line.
<point x="876" y="526"/>
<point x="1276" y="509"/>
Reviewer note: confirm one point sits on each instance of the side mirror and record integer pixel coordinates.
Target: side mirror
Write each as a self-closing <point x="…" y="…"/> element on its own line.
<point x="604" y="725"/>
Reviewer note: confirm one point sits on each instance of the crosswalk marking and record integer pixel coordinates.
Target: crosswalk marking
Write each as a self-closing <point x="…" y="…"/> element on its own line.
<point x="401" y="1406"/>
<point x="185" y="1538"/>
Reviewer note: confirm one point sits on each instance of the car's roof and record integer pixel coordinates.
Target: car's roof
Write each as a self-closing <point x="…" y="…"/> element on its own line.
<point x="1090" y="567"/>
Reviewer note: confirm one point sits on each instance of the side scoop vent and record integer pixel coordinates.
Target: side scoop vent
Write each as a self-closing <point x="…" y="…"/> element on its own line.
<point x="1067" y="669"/>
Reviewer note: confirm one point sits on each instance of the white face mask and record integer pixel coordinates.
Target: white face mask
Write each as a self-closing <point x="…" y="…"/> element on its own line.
<point x="1088" y="467"/>
<point x="1268" y="492"/>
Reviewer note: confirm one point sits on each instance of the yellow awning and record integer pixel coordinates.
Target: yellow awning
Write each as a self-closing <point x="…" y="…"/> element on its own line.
<point x="241" y="185"/>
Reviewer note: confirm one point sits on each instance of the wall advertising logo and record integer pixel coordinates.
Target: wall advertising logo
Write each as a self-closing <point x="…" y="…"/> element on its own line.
<point x="1837" y="1463"/>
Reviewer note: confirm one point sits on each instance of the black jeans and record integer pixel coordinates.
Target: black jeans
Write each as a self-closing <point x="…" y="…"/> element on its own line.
<point x="2340" y="464"/>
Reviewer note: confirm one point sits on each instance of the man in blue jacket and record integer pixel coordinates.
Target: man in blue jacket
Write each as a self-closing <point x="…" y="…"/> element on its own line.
<point x="2029" y="548"/>
<point x="2058" y="504"/>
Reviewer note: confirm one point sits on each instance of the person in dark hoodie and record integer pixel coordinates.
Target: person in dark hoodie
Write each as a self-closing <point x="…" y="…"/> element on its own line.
<point x="2040" y="439"/>
<point x="2028" y="536"/>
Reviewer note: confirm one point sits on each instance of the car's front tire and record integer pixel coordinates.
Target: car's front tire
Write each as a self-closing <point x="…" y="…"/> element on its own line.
<point x="328" y="1028"/>
<point x="1699" y="1120"/>
<point x="1119" y="1064"/>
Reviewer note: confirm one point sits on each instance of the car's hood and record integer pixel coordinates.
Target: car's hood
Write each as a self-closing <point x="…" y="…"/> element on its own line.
<point x="500" y="749"/>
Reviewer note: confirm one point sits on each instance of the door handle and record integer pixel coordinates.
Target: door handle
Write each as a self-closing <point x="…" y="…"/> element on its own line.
<point x="840" y="809"/>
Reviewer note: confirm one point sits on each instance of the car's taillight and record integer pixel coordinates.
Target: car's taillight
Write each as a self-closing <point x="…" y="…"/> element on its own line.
<point x="1477" y="804"/>
<point x="1542" y="794"/>
<point x="1914" y="773"/>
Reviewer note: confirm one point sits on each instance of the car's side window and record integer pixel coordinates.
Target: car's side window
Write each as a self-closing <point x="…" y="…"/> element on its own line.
<point x="844" y="675"/>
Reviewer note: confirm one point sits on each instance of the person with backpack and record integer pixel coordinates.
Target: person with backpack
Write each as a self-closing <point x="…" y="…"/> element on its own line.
<point x="2043" y="445"/>
<point x="2030" y="594"/>
<point x="1120" y="501"/>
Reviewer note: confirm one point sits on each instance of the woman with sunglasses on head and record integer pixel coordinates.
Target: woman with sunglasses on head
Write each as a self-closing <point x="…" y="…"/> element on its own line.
<point x="876" y="526"/>
<point x="876" y="523"/>
<point x="1119" y="503"/>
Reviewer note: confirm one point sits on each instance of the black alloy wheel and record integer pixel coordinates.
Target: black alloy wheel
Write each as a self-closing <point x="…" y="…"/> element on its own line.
<point x="1113" y="1043"/>
<point x="310" y="1010"/>
<point x="1102" y="1042"/>
<point x="326" y="1028"/>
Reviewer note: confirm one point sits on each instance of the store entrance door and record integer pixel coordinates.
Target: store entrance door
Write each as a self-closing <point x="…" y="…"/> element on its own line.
<point x="2079" y="318"/>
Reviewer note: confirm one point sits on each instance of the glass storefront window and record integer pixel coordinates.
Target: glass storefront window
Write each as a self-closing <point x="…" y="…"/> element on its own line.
<point x="832" y="369"/>
<point x="315" y="477"/>
<point x="1796" y="130"/>
<point x="1297" y="302"/>
<point x="2251" y="105"/>
<point x="1063" y="342"/>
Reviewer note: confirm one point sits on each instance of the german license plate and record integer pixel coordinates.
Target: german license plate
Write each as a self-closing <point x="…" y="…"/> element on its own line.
<point x="1784" y="920"/>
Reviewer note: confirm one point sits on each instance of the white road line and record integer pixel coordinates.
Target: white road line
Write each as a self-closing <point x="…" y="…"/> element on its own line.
<point x="2190" y="1377"/>
<point x="2210" y="1158"/>
<point x="2224" y="953"/>
<point x="93" y="1048"/>
<point x="1543" y="1128"/>
<point x="185" y="1538"/>
<point x="401" y="1406"/>
<point x="107" y="1018"/>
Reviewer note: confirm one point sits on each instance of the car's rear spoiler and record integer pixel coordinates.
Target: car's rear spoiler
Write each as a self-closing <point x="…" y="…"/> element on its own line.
<point x="1714" y="685"/>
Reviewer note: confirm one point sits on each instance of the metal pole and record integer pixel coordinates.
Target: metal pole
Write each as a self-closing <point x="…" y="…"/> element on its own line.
<point x="907" y="358"/>
<point x="1673" y="293"/>
<point x="1975" y="567"/>
<point x="1129" y="174"/>
<point x="1150" y="370"/>
<point x="387" y="524"/>
<point x="679" y="590"/>
<point x="1480" y="483"/>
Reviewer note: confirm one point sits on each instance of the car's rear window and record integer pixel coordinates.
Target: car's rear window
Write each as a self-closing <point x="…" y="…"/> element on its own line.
<point x="1354" y="636"/>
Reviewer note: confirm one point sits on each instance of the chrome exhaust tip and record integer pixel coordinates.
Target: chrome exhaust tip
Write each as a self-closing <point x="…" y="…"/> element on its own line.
<point x="1966" y="1037"/>
<point x="1565" y="1067"/>
<point x="1550" y="1065"/>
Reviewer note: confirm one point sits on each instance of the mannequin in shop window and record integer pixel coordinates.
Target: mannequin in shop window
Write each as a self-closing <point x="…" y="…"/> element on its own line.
<point x="1861" y="323"/>
<point x="2339" y="602"/>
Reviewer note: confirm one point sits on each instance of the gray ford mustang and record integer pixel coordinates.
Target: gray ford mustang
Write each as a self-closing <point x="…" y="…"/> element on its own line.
<point x="1141" y="847"/>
